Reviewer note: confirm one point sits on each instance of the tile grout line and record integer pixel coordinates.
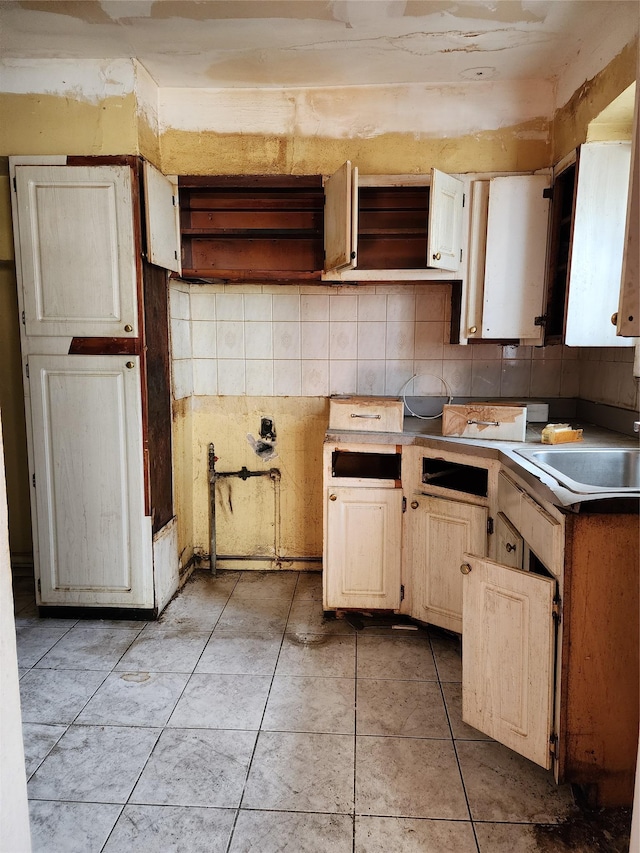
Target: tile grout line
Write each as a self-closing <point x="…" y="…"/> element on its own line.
<point x="455" y="749"/>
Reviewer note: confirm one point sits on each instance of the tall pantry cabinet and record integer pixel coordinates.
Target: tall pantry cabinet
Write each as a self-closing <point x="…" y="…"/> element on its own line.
<point x="94" y="238"/>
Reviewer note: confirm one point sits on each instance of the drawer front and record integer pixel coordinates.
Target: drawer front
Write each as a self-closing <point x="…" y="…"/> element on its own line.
<point x="509" y="497"/>
<point x="366" y="414"/>
<point x="542" y="533"/>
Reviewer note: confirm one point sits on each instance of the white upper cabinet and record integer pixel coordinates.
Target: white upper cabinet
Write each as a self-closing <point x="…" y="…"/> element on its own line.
<point x="597" y="245"/>
<point x="402" y="228"/>
<point x="162" y="215"/>
<point x="76" y="238"/>
<point x="507" y="258"/>
<point x="444" y="232"/>
<point x="341" y="219"/>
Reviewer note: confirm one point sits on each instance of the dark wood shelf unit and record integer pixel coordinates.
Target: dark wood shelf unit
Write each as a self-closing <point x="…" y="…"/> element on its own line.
<point x="392" y="227"/>
<point x="250" y="228"/>
<point x="562" y="210"/>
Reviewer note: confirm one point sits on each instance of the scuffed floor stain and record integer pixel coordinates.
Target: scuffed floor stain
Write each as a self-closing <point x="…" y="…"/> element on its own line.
<point x="308" y="639"/>
<point x="601" y="831"/>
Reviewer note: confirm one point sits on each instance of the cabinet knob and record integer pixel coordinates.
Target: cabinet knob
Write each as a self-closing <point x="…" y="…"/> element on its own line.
<point x="465" y="568"/>
<point x="130" y="365"/>
<point x="437" y="256"/>
<point x="414" y="504"/>
<point x="333" y="497"/>
<point x="614" y="319"/>
<point x="473" y="330"/>
<point x="128" y="328"/>
<point x="510" y="547"/>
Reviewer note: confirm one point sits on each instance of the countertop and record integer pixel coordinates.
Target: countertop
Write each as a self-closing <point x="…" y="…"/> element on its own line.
<point x="427" y="433"/>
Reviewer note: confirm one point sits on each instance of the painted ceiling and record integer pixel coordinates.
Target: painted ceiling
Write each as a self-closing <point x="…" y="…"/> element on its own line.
<point x="312" y="43"/>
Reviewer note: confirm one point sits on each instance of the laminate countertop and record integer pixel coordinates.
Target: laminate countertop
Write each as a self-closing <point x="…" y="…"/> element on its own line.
<point x="513" y="455"/>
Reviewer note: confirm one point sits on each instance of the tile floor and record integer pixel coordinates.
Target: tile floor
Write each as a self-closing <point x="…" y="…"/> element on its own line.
<point x="242" y="720"/>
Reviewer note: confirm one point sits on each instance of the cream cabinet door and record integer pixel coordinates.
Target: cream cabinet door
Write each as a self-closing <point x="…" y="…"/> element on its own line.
<point x="597" y="245"/>
<point x="94" y="541"/>
<point x="508" y="647"/>
<point x="341" y="219"/>
<point x="363" y="548"/>
<point x="76" y="250"/>
<point x="441" y="532"/>
<point x="444" y="234"/>
<point x="162" y="215"/>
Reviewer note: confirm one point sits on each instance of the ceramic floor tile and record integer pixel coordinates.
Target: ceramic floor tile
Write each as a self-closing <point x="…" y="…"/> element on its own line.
<point x="70" y="827"/>
<point x="231" y="653"/>
<point x="35" y="639"/>
<point x="310" y="704"/>
<point x="189" y="613"/>
<point x="57" y="695"/>
<point x="255" y="616"/>
<point x="88" y="648"/>
<point x="453" y="700"/>
<point x="196" y="767"/>
<point x="301" y="772"/>
<point x="292" y="832"/>
<point x="406" y="777"/>
<point x="408" y="835"/>
<point x="164" y="650"/>
<point x="309" y="586"/>
<point x="317" y="654"/>
<point x="280" y="584"/>
<point x="98" y="764"/>
<point x="171" y="829"/>
<point x="39" y="739"/>
<point x="503" y="786"/>
<point x="448" y="657"/>
<point x="595" y="832"/>
<point x="222" y="702"/>
<point x="403" y="658"/>
<point x="401" y="708"/>
<point x="202" y="583"/>
<point x="134" y="699"/>
<point x="307" y="617"/>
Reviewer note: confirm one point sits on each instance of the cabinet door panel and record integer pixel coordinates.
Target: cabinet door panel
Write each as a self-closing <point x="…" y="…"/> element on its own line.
<point x="162" y="214"/>
<point x="362" y="558"/>
<point x="77" y="250"/>
<point x="508" y="647"/>
<point x="444" y="236"/>
<point x="509" y="543"/>
<point x="94" y="540"/>
<point x="598" y="244"/>
<point x="341" y="219"/>
<point x="442" y="532"/>
<point x="515" y="257"/>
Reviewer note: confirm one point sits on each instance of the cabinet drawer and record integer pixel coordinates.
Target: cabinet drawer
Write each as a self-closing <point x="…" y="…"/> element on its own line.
<point x="542" y="533"/>
<point x="366" y="414"/>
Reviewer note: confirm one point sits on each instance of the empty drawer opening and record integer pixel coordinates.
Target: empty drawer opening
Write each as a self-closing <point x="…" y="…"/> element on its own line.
<point x="452" y="475"/>
<point x="368" y="466"/>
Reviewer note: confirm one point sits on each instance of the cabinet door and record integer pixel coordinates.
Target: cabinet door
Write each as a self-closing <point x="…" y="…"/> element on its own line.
<point x="77" y="250"/>
<point x="508" y="646"/>
<point x="509" y="543"/>
<point x="94" y="540"/>
<point x="441" y="533"/>
<point x="341" y="219"/>
<point x="363" y="548"/>
<point x="598" y="244"/>
<point x="629" y="303"/>
<point x="515" y="261"/>
<point x="444" y="234"/>
<point x="162" y="214"/>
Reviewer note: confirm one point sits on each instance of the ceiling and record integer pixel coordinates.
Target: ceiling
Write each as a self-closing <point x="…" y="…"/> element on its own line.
<point x="313" y="43"/>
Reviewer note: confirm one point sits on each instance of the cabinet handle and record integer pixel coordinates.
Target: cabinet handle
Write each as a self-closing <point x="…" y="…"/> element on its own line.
<point x="465" y="568"/>
<point x="614" y="319"/>
<point x="437" y="256"/>
<point x="473" y="330"/>
<point x="130" y="365"/>
<point x="375" y="417"/>
<point x="333" y="497"/>
<point x="128" y="328"/>
<point x="414" y="504"/>
<point x="510" y="547"/>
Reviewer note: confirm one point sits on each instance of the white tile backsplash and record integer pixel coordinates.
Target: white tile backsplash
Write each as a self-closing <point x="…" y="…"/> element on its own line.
<point x="288" y="340"/>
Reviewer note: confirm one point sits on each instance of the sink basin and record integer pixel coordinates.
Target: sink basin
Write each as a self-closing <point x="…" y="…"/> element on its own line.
<point x="590" y="469"/>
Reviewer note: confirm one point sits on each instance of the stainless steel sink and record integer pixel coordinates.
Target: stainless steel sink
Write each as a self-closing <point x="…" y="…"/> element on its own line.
<point x="588" y="470"/>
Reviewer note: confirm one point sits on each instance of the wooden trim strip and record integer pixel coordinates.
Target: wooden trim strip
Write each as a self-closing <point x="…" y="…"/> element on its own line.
<point x="105" y="346"/>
